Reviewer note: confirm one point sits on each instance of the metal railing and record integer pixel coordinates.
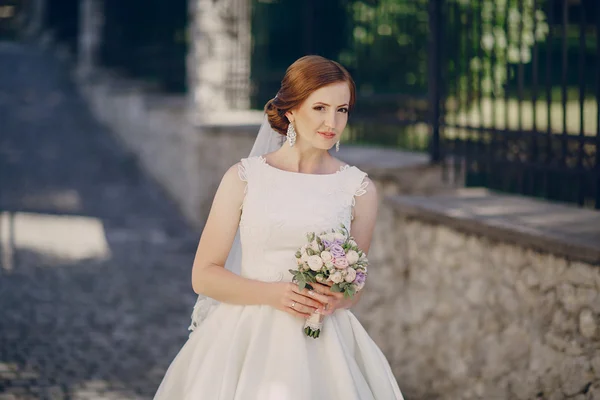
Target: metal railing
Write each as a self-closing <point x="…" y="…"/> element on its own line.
<point x="514" y="99"/>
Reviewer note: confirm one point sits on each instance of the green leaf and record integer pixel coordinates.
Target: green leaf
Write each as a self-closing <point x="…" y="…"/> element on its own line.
<point x="336" y="288"/>
<point x="301" y="285"/>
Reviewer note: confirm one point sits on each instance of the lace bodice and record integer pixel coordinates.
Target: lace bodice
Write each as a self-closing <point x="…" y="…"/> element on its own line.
<point x="280" y="207"/>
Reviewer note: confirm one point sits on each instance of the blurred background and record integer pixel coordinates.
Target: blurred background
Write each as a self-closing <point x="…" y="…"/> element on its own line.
<point x="500" y="82"/>
<point x="118" y="118"/>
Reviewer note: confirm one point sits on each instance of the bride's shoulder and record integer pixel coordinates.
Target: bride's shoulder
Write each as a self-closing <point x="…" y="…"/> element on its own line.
<point x="340" y="165"/>
<point x="241" y="170"/>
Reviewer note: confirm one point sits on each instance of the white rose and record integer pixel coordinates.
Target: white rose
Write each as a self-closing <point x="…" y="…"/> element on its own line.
<point x="350" y="275"/>
<point x="352" y="243"/>
<point x="315" y="246"/>
<point x="339" y="236"/>
<point x="315" y="263"/>
<point x="304" y="257"/>
<point x="330" y="237"/>
<point x="326" y="257"/>
<point x="352" y="257"/>
<point x="336" y="277"/>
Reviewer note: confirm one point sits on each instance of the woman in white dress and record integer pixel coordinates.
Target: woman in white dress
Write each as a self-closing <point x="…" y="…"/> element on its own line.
<point x="247" y="341"/>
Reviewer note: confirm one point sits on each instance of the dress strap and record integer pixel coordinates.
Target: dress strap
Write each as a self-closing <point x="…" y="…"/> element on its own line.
<point x="246" y="168"/>
<point x="361" y="188"/>
<point x="357" y="185"/>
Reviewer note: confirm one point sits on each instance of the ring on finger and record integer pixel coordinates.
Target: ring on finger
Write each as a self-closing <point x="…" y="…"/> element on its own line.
<point x="293" y="304"/>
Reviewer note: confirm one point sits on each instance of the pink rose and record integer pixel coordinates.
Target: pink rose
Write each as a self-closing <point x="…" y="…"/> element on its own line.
<point x="340" y="262"/>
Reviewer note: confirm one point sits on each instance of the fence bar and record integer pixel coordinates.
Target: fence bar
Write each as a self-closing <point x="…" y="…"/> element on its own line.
<point x="582" y="51"/>
<point x="494" y="101"/>
<point x="534" y="98"/>
<point x="549" y="150"/>
<point x="483" y="137"/>
<point x="520" y="68"/>
<point x="444" y="89"/>
<point x="597" y="172"/>
<point x="521" y="177"/>
<point x="535" y="66"/>
<point x="565" y="67"/>
<point x="457" y="95"/>
<point x="505" y="147"/>
<point x="468" y="97"/>
<point x="435" y="83"/>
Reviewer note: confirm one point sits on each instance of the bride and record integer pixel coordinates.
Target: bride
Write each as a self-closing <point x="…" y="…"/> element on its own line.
<point x="247" y="339"/>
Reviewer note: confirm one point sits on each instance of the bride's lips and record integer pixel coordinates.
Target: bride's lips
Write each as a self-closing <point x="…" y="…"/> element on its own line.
<point x="327" y="135"/>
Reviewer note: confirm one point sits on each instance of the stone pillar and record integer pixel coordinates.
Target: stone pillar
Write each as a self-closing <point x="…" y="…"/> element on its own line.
<point x="91" y="19"/>
<point x="218" y="61"/>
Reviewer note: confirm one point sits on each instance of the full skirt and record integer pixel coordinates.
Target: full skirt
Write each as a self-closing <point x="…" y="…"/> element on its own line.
<point x="258" y="352"/>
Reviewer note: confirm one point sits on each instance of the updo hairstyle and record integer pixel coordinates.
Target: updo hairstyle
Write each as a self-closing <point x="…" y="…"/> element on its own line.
<point x="303" y="77"/>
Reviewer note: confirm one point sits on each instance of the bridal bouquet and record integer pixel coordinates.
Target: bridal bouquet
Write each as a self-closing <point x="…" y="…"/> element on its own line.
<point x="330" y="257"/>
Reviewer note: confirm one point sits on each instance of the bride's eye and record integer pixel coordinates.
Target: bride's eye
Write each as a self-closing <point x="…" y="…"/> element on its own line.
<point x="319" y="108"/>
<point x="344" y="110"/>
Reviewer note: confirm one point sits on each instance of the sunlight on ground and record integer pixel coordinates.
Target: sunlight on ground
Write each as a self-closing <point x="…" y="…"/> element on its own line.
<point x="64" y="237"/>
<point x="64" y="200"/>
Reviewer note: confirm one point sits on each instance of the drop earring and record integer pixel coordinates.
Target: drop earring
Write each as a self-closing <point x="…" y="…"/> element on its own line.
<point x="337" y="146"/>
<point x="291" y="135"/>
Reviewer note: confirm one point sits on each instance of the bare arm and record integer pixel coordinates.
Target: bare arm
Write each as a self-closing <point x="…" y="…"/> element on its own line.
<point x="208" y="275"/>
<point x="365" y="215"/>
<point x="363" y="225"/>
<point x="210" y="278"/>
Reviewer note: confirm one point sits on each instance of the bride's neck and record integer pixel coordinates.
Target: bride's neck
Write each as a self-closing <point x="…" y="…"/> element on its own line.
<point x="305" y="160"/>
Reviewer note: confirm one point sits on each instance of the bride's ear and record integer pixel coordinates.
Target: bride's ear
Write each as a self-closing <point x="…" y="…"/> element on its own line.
<point x="290" y="116"/>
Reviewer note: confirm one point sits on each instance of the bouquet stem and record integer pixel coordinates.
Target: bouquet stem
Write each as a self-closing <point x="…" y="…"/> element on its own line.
<point x="313" y="325"/>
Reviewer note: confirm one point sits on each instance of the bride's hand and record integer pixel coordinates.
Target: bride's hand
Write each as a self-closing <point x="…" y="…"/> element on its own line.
<point x="299" y="303"/>
<point x="336" y="300"/>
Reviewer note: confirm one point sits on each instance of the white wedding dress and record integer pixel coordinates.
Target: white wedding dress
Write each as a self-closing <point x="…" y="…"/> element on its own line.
<point x="258" y="352"/>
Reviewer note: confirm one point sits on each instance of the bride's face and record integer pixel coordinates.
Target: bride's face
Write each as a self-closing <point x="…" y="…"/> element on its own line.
<point x="321" y="119"/>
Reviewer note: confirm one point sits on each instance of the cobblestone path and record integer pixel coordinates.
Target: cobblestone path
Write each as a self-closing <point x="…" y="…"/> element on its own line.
<point x="95" y="261"/>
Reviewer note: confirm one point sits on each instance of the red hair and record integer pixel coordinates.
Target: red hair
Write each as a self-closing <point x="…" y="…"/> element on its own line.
<point x="303" y="77"/>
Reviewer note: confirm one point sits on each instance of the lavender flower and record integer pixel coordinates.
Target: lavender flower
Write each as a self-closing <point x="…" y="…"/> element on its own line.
<point x="337" y="251"/>
<point x="360" y="280"/>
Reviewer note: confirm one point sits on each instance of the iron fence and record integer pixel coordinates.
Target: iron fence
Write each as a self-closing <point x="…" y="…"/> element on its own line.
<point x="514" y="94"/>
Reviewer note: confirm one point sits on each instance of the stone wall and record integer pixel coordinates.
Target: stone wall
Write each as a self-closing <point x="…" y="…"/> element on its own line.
<point x="187" y="160"/>
<point x="461" y="316"/>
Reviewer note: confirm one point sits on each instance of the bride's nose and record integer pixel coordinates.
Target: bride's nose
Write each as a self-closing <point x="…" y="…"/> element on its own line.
<point x="330" y="121"/>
